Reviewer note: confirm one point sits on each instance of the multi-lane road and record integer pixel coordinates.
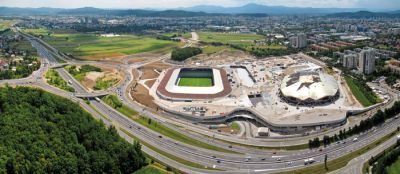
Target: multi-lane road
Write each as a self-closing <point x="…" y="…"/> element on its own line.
<point x="247" y="160"/>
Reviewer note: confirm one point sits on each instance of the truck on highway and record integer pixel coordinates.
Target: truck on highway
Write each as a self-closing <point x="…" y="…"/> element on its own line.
<point x="97" y="99"/>
<point x="70" y="82"/>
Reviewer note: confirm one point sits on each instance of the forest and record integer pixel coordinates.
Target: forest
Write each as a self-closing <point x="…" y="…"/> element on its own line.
<point x="45" y="133"/>
<point x="181" y="54"/>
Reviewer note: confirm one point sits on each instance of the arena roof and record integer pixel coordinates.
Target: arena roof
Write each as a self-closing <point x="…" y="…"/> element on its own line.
<point x="309" y="85"/>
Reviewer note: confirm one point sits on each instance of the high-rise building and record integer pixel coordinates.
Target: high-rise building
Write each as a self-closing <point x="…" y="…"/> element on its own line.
<point x="350" y="61"/>
<point x="299" y="41"/>
<point x="367" y="61"/>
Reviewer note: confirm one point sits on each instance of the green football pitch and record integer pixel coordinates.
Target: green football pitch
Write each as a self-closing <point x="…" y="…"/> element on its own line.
<point x="195" y="81"/>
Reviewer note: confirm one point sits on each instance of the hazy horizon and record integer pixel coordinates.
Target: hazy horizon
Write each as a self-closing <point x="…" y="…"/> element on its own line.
<point x="169" y="4"/>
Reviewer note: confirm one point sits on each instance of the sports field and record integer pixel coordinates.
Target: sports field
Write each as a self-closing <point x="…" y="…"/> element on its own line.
<point x="92" y="46"/>
<point x="195" y="81"/>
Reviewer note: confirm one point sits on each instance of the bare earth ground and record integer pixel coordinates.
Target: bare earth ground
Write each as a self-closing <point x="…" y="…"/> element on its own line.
<point x="139" y="93"/>
<point x="150" y="83"/>
<point x="228" y="130"/>
<point x="140" y="57"/>
<point x="148" y="70"/>
<point x="351" y="99"/>
<point x="226" y="56"/>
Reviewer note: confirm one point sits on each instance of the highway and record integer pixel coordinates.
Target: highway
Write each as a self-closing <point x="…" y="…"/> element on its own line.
<point x="249" y="161"/>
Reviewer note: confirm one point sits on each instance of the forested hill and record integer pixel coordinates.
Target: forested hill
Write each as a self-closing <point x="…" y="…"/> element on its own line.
<point x="44" y="133"/>
<point x="365" y="14"/>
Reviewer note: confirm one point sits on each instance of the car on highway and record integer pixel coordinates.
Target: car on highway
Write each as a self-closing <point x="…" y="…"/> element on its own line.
<point x="309" y="161"/>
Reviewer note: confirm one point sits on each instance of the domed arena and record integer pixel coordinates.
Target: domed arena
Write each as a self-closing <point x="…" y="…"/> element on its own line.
<point x="309" y="88"/>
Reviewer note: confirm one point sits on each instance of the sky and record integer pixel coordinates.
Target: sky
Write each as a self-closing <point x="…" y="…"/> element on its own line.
<point x="165" y="4"/>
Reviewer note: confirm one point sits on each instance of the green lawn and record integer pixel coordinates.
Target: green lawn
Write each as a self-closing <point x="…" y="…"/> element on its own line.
<point x="93" y="46"/>
<point x="394" y="168"/>
<point x="235" y="126"/>
<point x="195" y="82"/>
<point x="54" y="79"/>
<point x="358" y="93"/>
<point x="228" y="37"/>
<point x="104" y="84"/>
<point x="114" y="102"/>
<point x="151" y="169"/>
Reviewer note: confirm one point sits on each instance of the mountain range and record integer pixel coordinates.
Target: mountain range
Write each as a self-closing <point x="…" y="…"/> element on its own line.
<point x="255" y="10"/>
<point x="273" y="10"/>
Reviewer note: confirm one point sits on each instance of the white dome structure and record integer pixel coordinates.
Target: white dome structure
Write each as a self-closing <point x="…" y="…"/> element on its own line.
<point x="309" y="88"/>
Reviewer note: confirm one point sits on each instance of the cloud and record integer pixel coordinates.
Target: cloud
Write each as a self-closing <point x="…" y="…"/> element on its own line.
<point x="376" y="4"/>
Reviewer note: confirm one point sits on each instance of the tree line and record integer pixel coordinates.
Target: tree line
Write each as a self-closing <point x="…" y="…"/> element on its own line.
<point x="385" y="160"/>
<point x="364" y="125"/>
<point x="45" y="133"/>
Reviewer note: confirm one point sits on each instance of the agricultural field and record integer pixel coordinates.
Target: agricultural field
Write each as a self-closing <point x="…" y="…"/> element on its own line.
<point x="195" y="82"/>
<point x="5" y="24"/>
<point x="90" y="46"/>
<point x="229" y="38"/>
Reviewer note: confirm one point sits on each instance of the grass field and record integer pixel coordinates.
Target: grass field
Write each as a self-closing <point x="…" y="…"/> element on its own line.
<point x="228" y="37"/>
<point x="394" y="168"/>
<point x="104" y="84"/>
<point x="5" y="24"/>
<point x="54" y="79"/>
<point x="358" y="93"/>
<point x="195" y="82"/>
<point x="152" y="169"/>
<point x="93" y="47"/>
<point x="235" y="126"/>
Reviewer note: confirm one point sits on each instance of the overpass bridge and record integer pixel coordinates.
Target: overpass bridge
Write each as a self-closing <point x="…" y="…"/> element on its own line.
<point x="91" y="95"/>
<point x="59" y="65"/>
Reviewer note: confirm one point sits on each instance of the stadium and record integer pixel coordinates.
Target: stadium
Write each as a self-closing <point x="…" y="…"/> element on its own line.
<point x="309" y="88"/>
<point x="187" y="84"/>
